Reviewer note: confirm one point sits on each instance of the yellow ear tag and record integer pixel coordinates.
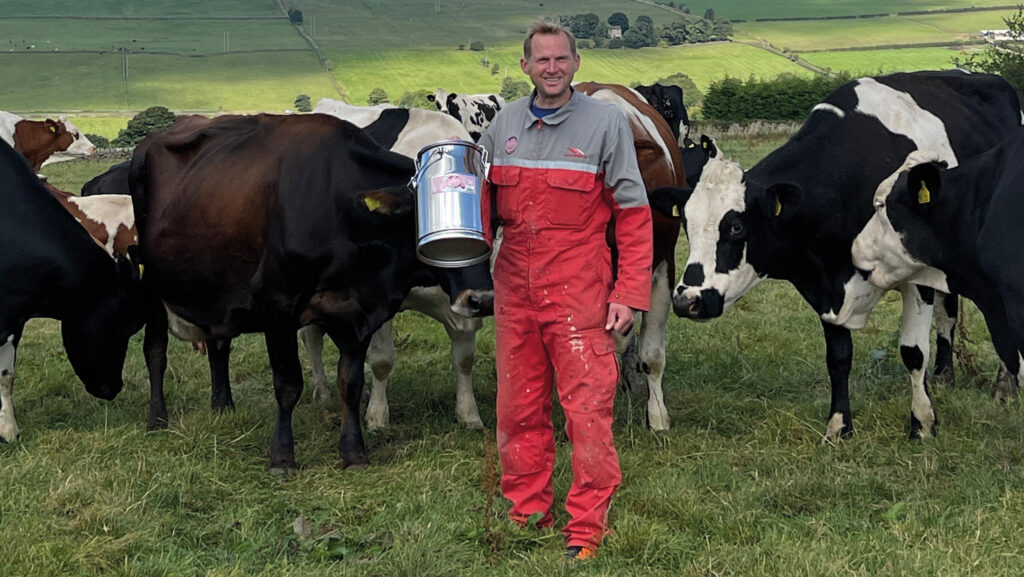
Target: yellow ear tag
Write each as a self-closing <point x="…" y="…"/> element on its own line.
<point x="692" y="145"/>
<point x="778" y="207"/>
<point x="142" y="270"/>
<point x="704" y="144"/>
<point x="372" y="203"/>
<point x="924" y="196"/>
<point x="675" y="210"/>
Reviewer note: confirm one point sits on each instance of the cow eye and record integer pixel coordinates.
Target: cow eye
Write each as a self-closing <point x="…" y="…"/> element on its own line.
<point x="736" y="229"/>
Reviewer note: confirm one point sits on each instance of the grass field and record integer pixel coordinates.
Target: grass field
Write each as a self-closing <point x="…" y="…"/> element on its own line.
<point x="740" y="486"/>
<point x="822" y="35"/>
<point x="886" y="61"/>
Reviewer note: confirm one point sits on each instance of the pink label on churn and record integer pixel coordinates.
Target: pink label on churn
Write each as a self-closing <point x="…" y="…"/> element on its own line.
<point x="465" y="183"/>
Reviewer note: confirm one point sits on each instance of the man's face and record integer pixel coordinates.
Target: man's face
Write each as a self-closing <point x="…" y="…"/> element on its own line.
<point x="551" y="67"/>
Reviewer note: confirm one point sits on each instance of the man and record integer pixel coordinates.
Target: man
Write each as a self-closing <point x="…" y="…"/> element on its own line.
<point x="563" y="165"/>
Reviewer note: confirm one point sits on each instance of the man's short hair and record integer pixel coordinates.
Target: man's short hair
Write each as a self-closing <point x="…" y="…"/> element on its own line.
<point x="546" y="27"/>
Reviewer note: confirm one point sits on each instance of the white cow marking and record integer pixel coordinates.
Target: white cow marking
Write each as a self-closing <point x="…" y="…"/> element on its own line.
<point x="111" y="211"/>
<point x="826" y="107"/>
<point x="899" y="113"/>
<point x="635" y="116"/>
<point x="8" y="426"/>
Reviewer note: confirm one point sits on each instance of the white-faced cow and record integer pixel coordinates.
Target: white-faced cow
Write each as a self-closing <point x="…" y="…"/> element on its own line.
<point x="957" y="229"/>
<point x="668" y="101"/>
<point x="50" y="267"/>
<point x="44" y="141"/>
<point x="406" y="132"/>
<point x="270" y="223"/>
<point x="794" y="215"/>
<point x="474" y="111"/>
<point x="660" y="165"/>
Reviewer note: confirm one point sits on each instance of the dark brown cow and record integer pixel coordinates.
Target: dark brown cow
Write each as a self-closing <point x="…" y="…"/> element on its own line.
<point x="38" y="140"/>
<point x="661" y="164"/>
<point x="269" y="223"/>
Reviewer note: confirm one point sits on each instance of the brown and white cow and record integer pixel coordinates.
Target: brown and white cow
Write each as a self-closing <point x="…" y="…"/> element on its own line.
<point x="661" y="164"/>
<point x="40" y="140"/>
<point x="474" y="111"/>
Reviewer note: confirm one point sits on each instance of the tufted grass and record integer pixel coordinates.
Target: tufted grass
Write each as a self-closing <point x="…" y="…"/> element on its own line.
<point x="742" y="484"/>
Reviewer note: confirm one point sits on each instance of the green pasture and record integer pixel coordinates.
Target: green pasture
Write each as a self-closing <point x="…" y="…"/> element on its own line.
<point x="885" y="61"/>
<point x="398" y="72"/>
<point x="188" y="37"/>
<point x="93" y="83"/>
<point x="742" y="485"/>
<point x="825" y="34"/>
<point x="753" y="9"/>
<point x="143" y="8"/>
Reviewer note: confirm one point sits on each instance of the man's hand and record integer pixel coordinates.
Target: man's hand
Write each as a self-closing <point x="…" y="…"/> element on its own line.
<point x="620" y="318"/>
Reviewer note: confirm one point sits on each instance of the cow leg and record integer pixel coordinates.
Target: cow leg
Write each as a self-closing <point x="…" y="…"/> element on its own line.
<point x="219" y="355"/>
<point x="154" y="348"/>
<point x="381" y="356"/>
<point x="838" y="358"/>
<point x="8" y="354"/>
<point x="945" y="315"/>
<point x="284" y="361"/>
<point x="463" y="355"/>
<point x="350" y="389"/>
<point x="917" y="320"/>
<point x="313" y="339"/>
<point x="652" y="347"/>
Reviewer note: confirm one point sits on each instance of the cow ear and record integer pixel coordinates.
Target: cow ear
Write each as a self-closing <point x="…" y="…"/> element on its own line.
<point x="387" y="201"/>
<point x="669" y="200"/>
<point x="51" y="124"/>
<point x="783" y="201"/>
<point x="924" y="183"/>
<point x="708" y="145"/>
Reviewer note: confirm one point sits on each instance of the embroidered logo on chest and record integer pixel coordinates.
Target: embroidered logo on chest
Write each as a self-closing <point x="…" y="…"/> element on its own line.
<point x="575" y="153"/>
<point x="511" y="144"/>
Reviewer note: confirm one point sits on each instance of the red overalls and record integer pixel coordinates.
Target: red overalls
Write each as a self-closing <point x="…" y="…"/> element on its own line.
<point x="553" y="183"/>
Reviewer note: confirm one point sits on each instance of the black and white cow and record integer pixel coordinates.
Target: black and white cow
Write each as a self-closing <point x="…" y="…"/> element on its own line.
<point x="794" y="215"/>
<point x="50" y="267"/>
<point x="957" y="229"/>
<point x="404" y="131"/>
<point x="474" y="111"/>
<point x="668" y="101"/>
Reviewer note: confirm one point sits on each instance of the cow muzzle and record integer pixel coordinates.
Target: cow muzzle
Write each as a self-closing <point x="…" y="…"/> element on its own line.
<point x="707" y="304"/>
<point x="474" y="303"/>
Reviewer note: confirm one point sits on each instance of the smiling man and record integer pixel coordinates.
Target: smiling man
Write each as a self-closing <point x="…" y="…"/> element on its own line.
<point x="563" y="165"/>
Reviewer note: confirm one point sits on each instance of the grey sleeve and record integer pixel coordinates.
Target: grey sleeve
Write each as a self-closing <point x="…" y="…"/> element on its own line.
<point x="621" y="172"/>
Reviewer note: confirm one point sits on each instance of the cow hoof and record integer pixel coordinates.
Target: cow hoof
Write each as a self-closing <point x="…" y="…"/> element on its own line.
<point x="946" y="378"/>
<point x="9" y="436"/>
<point x="474" y="424"/>
<point x="919" y="430"/>
<point x="323" y="396"/>
<point x="283" y="474"/>
<point x="840" y="426"/>
<point x="355" y="463"/>
<point x="1005" y="389"/>
<point x="156" y="424"/>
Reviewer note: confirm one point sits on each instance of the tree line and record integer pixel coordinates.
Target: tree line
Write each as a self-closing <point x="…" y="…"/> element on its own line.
<point x="593" y="32"/>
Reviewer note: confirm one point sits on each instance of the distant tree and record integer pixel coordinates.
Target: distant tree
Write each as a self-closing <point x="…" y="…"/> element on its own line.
<point x="476" y="46"/>
<point x="495" y="69"/>
<point x="645" y="26"/>
<point x="584" y="44"/>
<point x="1005" y="58"/>
<point x="513" y="89"/>
<point x="416" y="99"/>
<point x="709" y="14"/>
<point x="295" y="16"/>
<point x="149" y="120"/>
<point x="98" y="141"/>
<point x="721" y="29"/>
<point x="614" y="43"/>
<point x="691" y="94"/>
<point x="600" y="34"/>
<point x="303" y="104"/>
<point x="584" y="25"/>
<point x="619" y="19"/>
<point x="377" y="96"/>
<point x="633" y="38"/>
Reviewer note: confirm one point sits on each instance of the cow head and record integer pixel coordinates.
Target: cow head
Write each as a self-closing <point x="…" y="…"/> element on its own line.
<point x="695" y="156"/>
<point x="884" y="250"/>
<point x="716" y="219"/>
<point x="474" y="111"/>
<point x="70" y="143"/>
<point x="96" y="339"/>
<point x="470" y="288"/>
